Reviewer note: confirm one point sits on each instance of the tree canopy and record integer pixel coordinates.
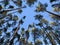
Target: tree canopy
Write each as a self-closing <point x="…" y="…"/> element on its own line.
<point x="43" y="32"/>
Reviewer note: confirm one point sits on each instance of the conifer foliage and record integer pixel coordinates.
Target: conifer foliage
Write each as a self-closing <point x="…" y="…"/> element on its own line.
<point x="43" y="32"/>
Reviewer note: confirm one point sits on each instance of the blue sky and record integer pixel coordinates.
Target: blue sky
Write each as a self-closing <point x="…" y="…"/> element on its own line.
<point x="29" y="13"/>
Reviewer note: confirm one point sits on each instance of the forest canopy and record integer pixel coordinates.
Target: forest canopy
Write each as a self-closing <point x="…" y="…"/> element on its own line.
<point x="29" y="22"/>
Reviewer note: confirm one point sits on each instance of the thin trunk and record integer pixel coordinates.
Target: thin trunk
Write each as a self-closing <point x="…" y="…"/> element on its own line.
<point x="7" y="10"/>
<point x="34" y="37"/>
<point x="51" y="39"/>
<point x="14" y="34"/>
<point x="55" y="35"/>
<point x="24" y="42"/>
<point x="53" y="13"/>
